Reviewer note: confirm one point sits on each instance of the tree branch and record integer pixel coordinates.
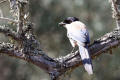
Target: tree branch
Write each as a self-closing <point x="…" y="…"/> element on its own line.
<point x="116" y="11"/>
<point x="11" y="50"/>
<point x="21" y="14"/>
<point x="14" y="51"/>
<point x="9" y="32"/>
<point x="104" y="44"/>
<point x="29" y="49"/>
<point x="3" y="1"/>
<point x="58" y="66"/>
<point x="10" y="20"/>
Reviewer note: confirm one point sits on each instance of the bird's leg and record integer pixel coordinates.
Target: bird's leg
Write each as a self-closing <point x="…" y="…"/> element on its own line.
<point x="73" y="50"/>
<point x="74" y="47"/>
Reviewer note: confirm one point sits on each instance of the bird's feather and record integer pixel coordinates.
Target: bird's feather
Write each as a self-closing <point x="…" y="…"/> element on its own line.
<point x="86" y="60"/>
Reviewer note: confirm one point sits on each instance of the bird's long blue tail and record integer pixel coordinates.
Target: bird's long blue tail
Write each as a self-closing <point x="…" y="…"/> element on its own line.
<point x="86" y="60"/>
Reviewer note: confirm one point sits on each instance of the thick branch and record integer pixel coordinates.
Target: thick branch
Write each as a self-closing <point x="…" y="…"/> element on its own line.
<point x="41" y="61"/>
<point x="57" y="67"/>
<point x="21" y="13"/>
<point x="11" y="50"/>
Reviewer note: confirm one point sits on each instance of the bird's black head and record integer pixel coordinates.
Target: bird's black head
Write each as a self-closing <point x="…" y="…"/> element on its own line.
<point x="69" y="20"/>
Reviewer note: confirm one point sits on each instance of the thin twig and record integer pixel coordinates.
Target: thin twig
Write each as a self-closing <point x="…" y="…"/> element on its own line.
<point x="8" y="19"/>
<point x="3" y="1"/>
<point x="9" y="32"/>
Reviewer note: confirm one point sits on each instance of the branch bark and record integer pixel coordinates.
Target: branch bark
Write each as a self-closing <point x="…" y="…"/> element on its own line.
<point x="29" y="49"/>
<point x="9" y="32"/>
<point x="58" y="66"/>
<point x="116" y="11"/>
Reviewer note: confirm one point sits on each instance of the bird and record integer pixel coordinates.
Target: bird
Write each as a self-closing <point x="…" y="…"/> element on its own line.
<point x="79" y="36"/>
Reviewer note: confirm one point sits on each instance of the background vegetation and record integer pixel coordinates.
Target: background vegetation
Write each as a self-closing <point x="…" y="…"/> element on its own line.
<point x="46" y="14"/>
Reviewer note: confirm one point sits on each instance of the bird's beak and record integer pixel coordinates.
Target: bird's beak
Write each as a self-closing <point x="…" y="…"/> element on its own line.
<point x="61" y="23"/>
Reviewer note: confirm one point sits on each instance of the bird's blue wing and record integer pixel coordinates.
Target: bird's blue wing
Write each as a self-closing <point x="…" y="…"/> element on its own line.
<point x="86" y="33"/>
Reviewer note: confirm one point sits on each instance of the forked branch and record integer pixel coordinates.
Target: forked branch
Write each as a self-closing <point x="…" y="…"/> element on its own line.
<point x="29" y="47"/>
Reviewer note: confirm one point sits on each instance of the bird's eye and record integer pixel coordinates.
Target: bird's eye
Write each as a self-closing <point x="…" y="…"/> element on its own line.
<point x="67" y="21"/>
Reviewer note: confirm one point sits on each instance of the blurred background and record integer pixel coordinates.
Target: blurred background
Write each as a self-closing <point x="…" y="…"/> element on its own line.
<point x="46" y="14"/>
